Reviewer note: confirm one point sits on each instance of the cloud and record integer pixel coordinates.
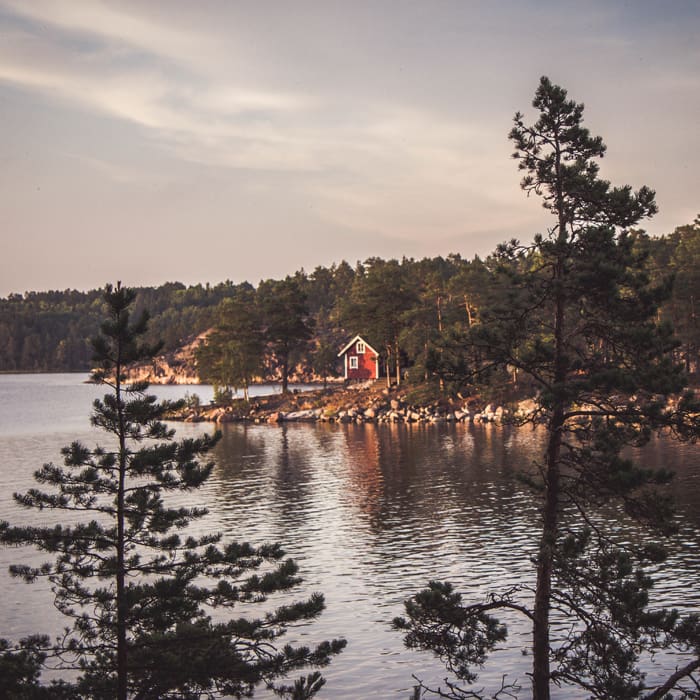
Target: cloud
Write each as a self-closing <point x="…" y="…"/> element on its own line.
<point x="99" y="20"/>
<point x="348" y="126"/>
<point x="224" y="124"/>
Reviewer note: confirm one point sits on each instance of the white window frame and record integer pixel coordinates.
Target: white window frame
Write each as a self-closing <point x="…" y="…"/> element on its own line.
<point x="360" y="347"/>
<point x="353" y="364"/>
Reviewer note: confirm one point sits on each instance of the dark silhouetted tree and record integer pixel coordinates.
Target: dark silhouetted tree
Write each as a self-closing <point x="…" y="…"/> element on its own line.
<point x="136" y="586"/>
<point x="383" y="293"/>
<point x="231" y="356"/>
<point x="285" y="319"/>
<point x="580" y="321"/>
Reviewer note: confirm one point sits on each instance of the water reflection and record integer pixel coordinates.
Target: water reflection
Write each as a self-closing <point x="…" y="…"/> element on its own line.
<point x="372" y="513"/>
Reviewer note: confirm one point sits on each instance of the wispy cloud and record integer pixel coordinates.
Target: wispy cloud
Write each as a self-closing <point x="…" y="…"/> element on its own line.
<point x="340" y="123"/>
<point x="153" y="83"/>
<point x="161" y="82"/>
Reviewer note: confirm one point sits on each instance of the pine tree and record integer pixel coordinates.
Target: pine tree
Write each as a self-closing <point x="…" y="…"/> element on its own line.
<point x="231" y="357"/>
<point x="287" y="326"/>
<point x="137" y="589"/>
<point x="325" y="361"/>
<point x="684" y="306"/>
<point x="382" y="295"/>
<point x="580" y="321"/>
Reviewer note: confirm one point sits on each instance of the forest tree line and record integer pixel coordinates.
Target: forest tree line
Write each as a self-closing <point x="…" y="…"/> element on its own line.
<point x="418" y="311"/>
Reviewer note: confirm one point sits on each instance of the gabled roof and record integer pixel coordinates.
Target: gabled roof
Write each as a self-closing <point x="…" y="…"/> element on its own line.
<point x="353" y="341"/>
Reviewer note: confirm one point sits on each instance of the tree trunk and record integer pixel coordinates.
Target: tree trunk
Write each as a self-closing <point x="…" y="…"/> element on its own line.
<point x="388" y="366"/>
<point x="398" y="363"/>
<point x="121" y="545"/>
<point x="541" y="673"/>
<point x="285" y="373"/>
<point x="440" y="329"/>
<point x="545" y="558"/>
<point x="425" y="362"/>
<point x="469" y="311"/>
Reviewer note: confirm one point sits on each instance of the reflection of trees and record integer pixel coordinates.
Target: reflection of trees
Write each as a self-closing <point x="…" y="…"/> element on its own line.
<point x="437" y="499"/>
<point x="293" y="474"/>
<point x="394" y="500"/>
<point x="240" y="480"/>
<point x="241" y="450"/>
<point x="429" y="474"/>
<point x="364" y="469"/>
<point x="267" y="472"/>
<point x="684" y="461"/>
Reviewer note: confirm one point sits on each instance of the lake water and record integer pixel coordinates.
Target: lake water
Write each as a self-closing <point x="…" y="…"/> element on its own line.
<point x="371" y="514"/>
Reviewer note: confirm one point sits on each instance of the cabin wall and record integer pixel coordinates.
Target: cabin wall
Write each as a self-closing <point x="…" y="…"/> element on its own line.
<point x="366" y="364"/>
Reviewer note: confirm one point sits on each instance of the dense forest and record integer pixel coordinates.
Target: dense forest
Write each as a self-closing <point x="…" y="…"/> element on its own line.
<point x="415" y="310"/>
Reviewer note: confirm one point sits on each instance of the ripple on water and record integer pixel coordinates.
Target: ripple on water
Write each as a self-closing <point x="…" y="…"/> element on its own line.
<point x="371" y="513"/>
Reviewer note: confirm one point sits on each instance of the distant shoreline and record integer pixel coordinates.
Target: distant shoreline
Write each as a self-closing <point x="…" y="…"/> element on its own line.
<point x="44" y="371"/>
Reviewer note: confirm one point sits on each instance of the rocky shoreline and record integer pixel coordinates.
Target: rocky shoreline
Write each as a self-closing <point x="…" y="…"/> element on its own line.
<point x="361" y="403"/>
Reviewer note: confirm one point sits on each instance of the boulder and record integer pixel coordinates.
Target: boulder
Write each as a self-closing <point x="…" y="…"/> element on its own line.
<point x="305" y="415"/>
<point x="526" y="407"/>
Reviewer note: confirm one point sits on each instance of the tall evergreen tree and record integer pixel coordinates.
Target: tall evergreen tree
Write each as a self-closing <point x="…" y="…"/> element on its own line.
<point x="377" y="308"/>
<point x="580" y="321"/>
<point x="231" y="357"/>
<point x="286" y="323"/>
<point x="135" y="585"/>
<point x="684" y="306"/>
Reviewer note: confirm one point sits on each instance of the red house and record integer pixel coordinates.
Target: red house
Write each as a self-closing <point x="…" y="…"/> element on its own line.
<point x="360" y="359"/>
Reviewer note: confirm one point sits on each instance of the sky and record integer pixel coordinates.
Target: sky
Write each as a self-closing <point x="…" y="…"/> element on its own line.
<point x="172" y="140"/>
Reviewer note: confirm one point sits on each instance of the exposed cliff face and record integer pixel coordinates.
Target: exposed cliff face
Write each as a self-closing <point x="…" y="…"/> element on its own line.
<point x="178" y="367"/>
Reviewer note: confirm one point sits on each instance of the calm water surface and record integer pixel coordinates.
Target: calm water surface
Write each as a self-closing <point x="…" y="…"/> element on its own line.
<point x="371" y="513"/>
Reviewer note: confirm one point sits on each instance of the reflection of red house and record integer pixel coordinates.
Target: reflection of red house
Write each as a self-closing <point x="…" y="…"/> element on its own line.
<point x="360" y="360"/>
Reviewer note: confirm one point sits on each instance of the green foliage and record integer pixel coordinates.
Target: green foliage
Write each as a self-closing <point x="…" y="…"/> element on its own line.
<point x="683" y="308"/>
<point x="51" y="331"/>
<point x="381" y="297"/>
<point x="577" y="314"/>
<point x="20" y="670"/>
<point x="284" y="313"/>
<point x="136" y="586"/>
<point x="444" y="298"/>
<point x="192" y="401"/>
<point x="231" y="356"/>
<point x="461" y="636"/>
<point x="325" y="361"/>
<point x="423" y="394"/>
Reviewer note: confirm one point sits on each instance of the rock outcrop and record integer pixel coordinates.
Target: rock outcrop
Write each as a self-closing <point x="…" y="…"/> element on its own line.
<point x="369" y="403"/>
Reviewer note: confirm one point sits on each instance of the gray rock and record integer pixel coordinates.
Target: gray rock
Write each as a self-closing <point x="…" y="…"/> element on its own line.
<point x="304" y="415"/>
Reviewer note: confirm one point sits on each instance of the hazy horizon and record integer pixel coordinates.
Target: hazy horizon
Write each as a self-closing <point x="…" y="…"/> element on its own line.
<point x="174" y="141"/>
